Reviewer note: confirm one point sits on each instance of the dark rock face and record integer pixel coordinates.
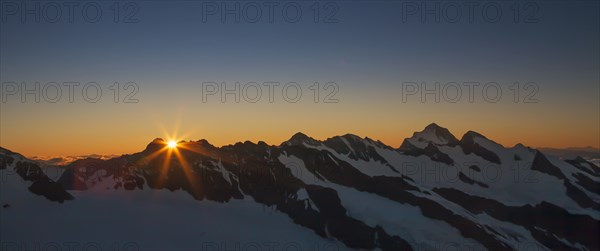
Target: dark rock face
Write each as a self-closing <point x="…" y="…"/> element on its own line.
<point x="51" y="190"/>
<point x="468" y="144"/>
<point x="580" y="197"/>
<point x="542" y="164"/>
<point x="432" y="152"/>
<point x="580" y="163"/>
<point x="5" y="160"/>
<point x="475" y="168"/>
<point x="406" y="146"/>
<point x="470" y="181"/>
<point x="587" y="183"/>
<point x="354" y="147"/>
<point x="42" y="185"/>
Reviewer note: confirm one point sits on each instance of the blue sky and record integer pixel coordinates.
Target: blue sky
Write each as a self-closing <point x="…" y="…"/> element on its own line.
<point x="368" y="53"/>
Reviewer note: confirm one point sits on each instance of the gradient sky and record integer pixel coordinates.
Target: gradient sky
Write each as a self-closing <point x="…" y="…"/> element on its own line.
<point x="368" y="53"/>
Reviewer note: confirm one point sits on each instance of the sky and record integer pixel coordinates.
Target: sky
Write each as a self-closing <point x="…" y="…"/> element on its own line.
<point x="535" y="67"/>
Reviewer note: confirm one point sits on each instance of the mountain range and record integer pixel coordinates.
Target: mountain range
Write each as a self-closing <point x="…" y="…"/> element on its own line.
<point x="434" y="192"/>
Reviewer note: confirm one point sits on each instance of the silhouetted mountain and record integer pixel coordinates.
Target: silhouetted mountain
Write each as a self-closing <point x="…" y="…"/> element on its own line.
<point x="433" y="191"/>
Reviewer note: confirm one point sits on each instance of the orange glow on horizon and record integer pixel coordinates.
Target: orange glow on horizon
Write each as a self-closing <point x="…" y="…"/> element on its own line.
<point x="133" y="137"/>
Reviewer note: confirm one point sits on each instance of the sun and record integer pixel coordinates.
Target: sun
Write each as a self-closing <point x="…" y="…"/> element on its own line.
<point x="172" y="144"/>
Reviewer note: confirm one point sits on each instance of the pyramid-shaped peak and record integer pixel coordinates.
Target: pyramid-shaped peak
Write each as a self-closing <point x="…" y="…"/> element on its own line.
<point x="299" y="139"/>
<point x="433" y="133"/>
<point x="433" y="126"/>
<point x="299" y="135"/>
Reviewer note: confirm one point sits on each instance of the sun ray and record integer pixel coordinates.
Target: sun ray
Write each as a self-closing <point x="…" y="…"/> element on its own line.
<point x="192" y="148"/>
<point x="164" y="169"/>
<point x="154" y="154"/>
<point x="188" y="172"/>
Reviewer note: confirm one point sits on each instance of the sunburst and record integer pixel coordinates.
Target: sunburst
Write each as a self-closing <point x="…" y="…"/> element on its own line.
<point x="172" y="144"/>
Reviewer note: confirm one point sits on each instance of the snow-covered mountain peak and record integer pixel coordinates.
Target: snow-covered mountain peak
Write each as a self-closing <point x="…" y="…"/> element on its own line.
<point x="432" y="133"/>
